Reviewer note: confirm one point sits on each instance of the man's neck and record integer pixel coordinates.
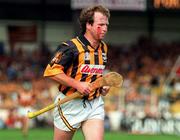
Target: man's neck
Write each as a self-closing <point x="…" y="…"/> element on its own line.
<point x="94" y="43"/>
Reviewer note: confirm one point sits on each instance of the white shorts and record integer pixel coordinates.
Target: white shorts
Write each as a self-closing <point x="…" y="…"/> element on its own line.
<point x="70" y="115"/>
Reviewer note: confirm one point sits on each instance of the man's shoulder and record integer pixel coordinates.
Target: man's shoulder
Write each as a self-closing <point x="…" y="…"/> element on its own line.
<point x="69" y="43"/>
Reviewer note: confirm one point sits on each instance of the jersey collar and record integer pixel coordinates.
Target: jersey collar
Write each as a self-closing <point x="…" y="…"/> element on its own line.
<point x="85" y="42"/>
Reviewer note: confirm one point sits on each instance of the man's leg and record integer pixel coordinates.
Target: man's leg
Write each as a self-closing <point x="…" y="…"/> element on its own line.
<point x="93" y="129"/>
<point x="62" y="135"/>
<point x="25" y="126"/>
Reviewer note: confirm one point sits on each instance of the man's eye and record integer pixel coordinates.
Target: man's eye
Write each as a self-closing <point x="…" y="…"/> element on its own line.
<point x="101" y="24"/>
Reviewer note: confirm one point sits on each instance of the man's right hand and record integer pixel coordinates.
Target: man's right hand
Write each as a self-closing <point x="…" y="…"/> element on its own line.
<point x="84" y="88"/>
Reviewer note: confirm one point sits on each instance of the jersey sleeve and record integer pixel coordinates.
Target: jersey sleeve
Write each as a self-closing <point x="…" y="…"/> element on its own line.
<point x="61" y="60"/>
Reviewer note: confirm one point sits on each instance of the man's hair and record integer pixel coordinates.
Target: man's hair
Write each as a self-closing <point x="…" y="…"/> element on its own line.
<point x="87" y="15"/>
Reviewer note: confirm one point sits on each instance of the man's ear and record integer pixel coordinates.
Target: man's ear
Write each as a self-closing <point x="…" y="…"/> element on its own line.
<point x="88" y="26"/>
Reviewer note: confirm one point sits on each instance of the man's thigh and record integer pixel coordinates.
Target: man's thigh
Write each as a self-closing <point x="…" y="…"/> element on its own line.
<point x="93" y="129"/>
<point x="60" y="134"/>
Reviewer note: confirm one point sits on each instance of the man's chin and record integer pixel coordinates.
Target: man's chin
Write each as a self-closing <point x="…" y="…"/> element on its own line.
<point x="101" y="38"/>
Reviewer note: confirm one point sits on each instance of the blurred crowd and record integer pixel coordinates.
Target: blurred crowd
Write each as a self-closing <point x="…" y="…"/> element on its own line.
<point x="145" y="66"/>
<point x="151" y="88"/>
<point x="22" y="71"/>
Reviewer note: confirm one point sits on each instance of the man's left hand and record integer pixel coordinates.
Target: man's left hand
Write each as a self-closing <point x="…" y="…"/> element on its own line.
<point x="105" y="90"/>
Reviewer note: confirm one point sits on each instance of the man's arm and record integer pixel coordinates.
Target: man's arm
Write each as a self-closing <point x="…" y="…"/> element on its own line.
<point x="82" y="87"/>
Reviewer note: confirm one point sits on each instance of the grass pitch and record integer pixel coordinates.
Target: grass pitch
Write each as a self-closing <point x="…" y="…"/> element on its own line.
<point x="47" y="134"/>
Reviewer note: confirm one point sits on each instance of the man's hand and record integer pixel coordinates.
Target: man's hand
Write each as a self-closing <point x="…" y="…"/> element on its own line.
<point x="84" y="88"/>
<point x="105" y="90"/>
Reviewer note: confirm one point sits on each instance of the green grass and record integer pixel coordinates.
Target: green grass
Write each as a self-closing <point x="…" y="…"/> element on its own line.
<point x="47" y="134"/>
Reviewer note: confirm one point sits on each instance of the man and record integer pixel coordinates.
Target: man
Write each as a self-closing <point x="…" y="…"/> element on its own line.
<point x="26" y="99"/>
<point x="77" y="63"/>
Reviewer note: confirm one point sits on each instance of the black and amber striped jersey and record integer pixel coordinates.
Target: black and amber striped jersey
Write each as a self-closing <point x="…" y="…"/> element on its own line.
<point x="79" y="60"/>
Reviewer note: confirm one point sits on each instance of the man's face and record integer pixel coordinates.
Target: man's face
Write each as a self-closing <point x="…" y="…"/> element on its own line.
<point x="99" y="28"/>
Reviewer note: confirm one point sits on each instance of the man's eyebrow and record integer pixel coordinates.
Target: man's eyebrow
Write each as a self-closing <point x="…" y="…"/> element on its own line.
<point x="103" y="23"/>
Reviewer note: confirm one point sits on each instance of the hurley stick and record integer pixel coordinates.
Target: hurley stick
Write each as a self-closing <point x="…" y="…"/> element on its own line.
<point x="110" y="79"/>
